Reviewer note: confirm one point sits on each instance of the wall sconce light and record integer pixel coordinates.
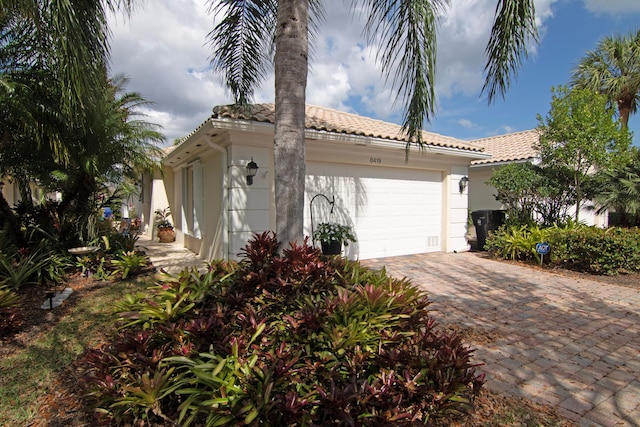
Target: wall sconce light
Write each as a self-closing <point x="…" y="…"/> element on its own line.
<point x="462" y="184"/>
<point x="252" y="170"/>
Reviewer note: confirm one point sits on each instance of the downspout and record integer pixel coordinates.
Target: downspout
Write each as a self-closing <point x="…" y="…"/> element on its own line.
<point x="225" y="195"/>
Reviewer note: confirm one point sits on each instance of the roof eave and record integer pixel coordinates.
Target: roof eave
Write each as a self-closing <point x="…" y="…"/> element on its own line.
<point x="534" y="160"/>
<point x="314" y="134"/>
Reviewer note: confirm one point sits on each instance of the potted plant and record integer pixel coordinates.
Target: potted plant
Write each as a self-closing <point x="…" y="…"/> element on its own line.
<point x="332" y="236"/>
<point x="166" y="233"/>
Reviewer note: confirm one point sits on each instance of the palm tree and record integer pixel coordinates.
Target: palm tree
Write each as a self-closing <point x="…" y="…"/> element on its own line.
<point x="242" y="44"/>
<point x="613" y="69"/>
<point x="49" y="47"/>
<point x="618" y="189"/>
<point x="67" y="38"/>
<point x="116" y="148"/>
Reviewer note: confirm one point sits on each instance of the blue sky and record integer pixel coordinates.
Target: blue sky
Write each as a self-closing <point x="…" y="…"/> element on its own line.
<point x="571" y="32"/>
<point x="162" y="49"/>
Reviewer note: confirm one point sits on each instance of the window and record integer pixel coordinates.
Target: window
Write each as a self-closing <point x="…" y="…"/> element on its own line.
<point x="193" y="219"/>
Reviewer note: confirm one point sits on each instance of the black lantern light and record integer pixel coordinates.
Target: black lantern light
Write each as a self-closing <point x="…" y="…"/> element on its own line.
<point x="252" y="170"/>
<point x="462" y="184"/>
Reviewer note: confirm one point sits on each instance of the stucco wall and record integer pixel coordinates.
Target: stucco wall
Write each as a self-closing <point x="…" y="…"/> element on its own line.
<point x="249" y="205"/>
<point x="481" y="195"/>
<point x="458" y="213"/>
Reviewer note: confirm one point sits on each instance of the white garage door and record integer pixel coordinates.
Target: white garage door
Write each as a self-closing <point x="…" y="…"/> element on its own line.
<point x="394" y="211"/>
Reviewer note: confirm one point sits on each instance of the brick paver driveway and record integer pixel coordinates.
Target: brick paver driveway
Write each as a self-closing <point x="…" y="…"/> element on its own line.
<point x="570" y="343"/>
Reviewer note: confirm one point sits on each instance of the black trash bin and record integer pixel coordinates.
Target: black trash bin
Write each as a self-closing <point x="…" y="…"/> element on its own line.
<point x="486" y="221"/>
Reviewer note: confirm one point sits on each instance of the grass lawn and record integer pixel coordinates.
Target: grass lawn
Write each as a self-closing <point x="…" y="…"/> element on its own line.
<point x="36" y="369"/>
<point x="26" y="374"/>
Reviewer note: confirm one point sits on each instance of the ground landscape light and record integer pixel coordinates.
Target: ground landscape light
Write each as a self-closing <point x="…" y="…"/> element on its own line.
<point x="252" y="170"/>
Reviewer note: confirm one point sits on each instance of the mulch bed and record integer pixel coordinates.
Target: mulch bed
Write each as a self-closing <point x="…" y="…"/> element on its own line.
<point x="64" y="405"/>
<point x="631" y="280"/>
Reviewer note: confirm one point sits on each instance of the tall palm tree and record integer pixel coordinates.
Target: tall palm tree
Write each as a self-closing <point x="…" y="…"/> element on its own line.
<point x="406" y="29"/>
<point x="613" y="68"/>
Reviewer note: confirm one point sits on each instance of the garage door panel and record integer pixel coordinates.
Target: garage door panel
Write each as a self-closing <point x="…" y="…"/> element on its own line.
<point x="394" y="211"/>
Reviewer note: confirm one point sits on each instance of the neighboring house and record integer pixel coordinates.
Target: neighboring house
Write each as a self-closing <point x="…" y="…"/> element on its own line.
<point x="9" y="191"/>
<point x="517" y="147"/>
<point x="396" y="206"/>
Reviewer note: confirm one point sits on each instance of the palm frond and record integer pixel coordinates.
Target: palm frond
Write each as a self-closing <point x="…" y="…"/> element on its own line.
<point x="407" y="32"/>
<point x="612" y="68"/>
<point x="514" y="26"/>
<point x="242" y="43"/>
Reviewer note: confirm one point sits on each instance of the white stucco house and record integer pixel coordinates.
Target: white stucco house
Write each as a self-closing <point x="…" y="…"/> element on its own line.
<point x="396" y="206"/>
<point x="517" y="147"/>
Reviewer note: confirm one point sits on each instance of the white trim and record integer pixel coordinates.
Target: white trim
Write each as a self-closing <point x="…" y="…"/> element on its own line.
<point x="224" y="209"/>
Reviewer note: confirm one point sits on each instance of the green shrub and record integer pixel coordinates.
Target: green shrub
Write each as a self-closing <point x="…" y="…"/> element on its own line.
<point x="129" y="262"/>
<point x="275" y="340"/>
<point x="603" y="251"/>
<point x="517" y="242"/>
<point x="23" y="269"/>
<point x="113" y="242"/>
<point x="588" y="249"/>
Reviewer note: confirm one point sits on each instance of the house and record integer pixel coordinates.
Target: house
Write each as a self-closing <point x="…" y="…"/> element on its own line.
<point x="397" y="205"/>
<point x="517" y="147"/>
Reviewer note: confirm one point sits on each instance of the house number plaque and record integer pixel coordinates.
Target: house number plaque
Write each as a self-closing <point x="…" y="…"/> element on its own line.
<point x="377" y="160"/>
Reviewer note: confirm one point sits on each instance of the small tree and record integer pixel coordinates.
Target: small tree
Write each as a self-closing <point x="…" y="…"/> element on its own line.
<point x="515" y="184"/>
<point x="579" y="133"/>
<point x="555" y="195"/>
<point x="532" y="193"/>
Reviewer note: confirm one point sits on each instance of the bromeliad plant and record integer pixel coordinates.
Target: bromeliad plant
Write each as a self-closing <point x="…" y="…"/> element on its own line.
<point x="281" y="339"/>
<point x="331" y="231"/>
<point x="129" y="262"/>
<point x="10" y="317"/>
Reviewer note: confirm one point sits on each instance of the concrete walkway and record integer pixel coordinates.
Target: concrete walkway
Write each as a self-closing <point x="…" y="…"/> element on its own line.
<point x="569" y="343"/>
<point x="170" y="257"/>
<point x="572" y="344"/>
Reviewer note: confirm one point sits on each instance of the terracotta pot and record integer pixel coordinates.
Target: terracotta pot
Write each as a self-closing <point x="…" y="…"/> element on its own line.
<point x="166" y="235"/>
<point x="332" y="247"/>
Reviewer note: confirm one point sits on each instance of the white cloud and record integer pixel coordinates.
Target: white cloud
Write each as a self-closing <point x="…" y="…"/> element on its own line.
<point x="612" y="6"/>
<point x="163" y="49"/>
<point x="466" y="123"/>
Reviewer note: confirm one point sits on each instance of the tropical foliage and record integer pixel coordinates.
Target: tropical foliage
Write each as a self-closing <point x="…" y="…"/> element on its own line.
<point x="613" y="69"/>
<point x="579" y="135"/>
<point x="63" y="124"/>
<point x="274" y="340"/>
<point x="162" y="218"/>
<point x="617" y="189"/>
<point x="589" y="249"/>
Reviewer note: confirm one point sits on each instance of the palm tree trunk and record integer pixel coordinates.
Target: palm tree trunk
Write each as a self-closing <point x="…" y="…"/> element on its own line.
<point x="289" y="145"/>
<point x="624" y="109"/>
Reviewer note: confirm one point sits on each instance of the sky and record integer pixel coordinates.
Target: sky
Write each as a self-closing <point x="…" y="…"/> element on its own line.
<point x="163" y="49"/>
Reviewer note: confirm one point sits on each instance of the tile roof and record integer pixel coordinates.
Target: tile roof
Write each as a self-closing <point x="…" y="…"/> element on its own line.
<point x="510" y="147"/>
<point x="334" y="121"/>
